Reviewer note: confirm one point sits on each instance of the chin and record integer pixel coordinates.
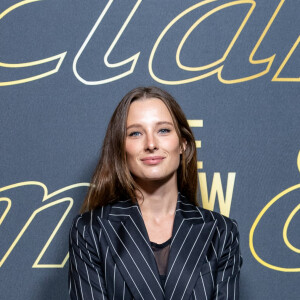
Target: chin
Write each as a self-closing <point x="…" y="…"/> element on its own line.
<point x="162" y="178"/>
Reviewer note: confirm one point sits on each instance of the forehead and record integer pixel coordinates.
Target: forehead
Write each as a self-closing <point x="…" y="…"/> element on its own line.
<point x="148" y="109"/>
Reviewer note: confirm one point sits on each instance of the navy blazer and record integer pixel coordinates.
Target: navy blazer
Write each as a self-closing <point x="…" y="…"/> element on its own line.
<point x="111" y="256"/>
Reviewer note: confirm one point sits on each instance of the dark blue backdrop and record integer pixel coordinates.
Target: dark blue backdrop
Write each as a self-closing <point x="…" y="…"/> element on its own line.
<point x="232" y="65"/>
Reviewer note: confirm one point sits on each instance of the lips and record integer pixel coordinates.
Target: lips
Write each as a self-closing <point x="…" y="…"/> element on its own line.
<point x="152" y="160"/>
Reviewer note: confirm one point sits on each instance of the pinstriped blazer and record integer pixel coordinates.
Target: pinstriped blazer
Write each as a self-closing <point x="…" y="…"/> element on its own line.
<point x="111" y="256"/>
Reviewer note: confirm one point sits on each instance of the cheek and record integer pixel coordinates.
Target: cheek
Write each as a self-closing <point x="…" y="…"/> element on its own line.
<point x="129" y="148"/>
<point x="132" y="151"/>
<point x="176" y="151"/>
<point x="173" y="146"/>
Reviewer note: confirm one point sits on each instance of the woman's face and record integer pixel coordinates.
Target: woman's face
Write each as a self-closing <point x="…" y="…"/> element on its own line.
<point x="152" y="144"/>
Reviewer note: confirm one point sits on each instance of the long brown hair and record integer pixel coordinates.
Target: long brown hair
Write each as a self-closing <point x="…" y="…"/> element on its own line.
<point x="112" y="180"/>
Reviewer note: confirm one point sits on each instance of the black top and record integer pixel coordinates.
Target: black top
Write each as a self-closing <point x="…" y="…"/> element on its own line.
<point x="161" y="254"/>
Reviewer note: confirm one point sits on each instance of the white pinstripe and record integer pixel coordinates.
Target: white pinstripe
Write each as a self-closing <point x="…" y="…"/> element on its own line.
<point x="219" y="234"/>
<point x="186" y="211"/>
<point x="214" y="248"/>
<point x="185" y="203"/>
<point x="91" y="224"/>
<point x="87" y="272"/>
<point x="121" y="260"/>
<point x="100" y="232"/>
<point x="74" y="284"/>
<point x="86" y="267"/>
<point x="226" y="264"/>
<point x="124" y="200"/>
<point x="228" y="257"/>
<point x="132" y="259"/>
<point x="212" y="278"/>
<point x="203" y="286"/>
<point x="143" y="258"/>
<point x="177" y="255"/>
<point x="70" y="286"/>
<point x="141" y="234"/>
<point x="227" y="288"/>
<point x="233" y="258"/>
<point x="124" y="291"/>
<point x="185" y="263"/>
<point x="197" y="218"/>
<point x="114" y="282"/>
<point x="194" y="294"/>
<point x="173" y="239"/>
<point x="75" y="258"/>
<point x="234" y="288"/>
<point x="119" y="207"/>
<point x="198" y="257"/>
<point x="200" y="213"/>
<point x="78" y="277"/>
<point x="139" y="210"/>
<point x="100" y="284"/>
<point x="117" y="215"/>
<point x="233" y="264"/>
<point x="212" y="215"/>
<point x="105" y="259"/>
<point x="137" y="230"/>
<point x="217" y="226"/>
<point x="225" y="235"/>
<point x="95" y="270"/>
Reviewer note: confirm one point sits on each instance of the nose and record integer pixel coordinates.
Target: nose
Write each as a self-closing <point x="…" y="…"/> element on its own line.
<point x="151" y="143"/>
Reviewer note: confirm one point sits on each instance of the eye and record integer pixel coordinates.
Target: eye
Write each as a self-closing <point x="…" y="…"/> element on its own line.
<point x="164" y="130"/>
<point x="134" y="133"/>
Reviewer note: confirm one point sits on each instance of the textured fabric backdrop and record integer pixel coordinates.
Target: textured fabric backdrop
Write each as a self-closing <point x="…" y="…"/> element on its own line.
<point x="234" y="68"/>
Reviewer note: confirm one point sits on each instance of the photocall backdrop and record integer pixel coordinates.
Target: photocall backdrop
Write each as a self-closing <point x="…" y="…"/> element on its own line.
<point x="234" y="68"/>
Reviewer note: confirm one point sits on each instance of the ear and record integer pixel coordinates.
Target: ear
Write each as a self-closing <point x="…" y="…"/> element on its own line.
<point x="183" y="146"/>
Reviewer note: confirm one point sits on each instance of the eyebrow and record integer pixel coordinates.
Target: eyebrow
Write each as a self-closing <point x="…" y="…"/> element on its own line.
<point x="157" y="124"/>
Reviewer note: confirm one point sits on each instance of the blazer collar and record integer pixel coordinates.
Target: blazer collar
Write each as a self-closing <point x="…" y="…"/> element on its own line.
<point x="190" y="240"/>
<point x="127" y="236"/>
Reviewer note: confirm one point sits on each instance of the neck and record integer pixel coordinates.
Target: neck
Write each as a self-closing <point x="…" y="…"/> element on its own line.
<point x="159" y="197"/>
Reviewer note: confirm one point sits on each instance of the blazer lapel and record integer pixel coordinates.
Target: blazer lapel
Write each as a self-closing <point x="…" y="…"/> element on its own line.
<point x="127" y="236"/>
<point x="191" y="238"/>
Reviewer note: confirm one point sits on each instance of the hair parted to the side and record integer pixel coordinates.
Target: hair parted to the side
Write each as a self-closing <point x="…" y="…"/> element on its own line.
<point x="112" y="180"/>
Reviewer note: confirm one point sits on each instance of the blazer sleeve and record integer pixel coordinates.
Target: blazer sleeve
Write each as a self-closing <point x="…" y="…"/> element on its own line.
<point x="229" y="265"/>
<point x="86" y="279"/>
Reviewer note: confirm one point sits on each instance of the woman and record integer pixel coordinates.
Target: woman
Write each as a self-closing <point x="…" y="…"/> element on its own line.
<point x="143" y="235"/>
